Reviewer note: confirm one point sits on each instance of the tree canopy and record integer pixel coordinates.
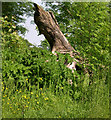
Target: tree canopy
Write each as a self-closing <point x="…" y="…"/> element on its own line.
<point x="86" y="26"/>
<point x="17" y="12"/>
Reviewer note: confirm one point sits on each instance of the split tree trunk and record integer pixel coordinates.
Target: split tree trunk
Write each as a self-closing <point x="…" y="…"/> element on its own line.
<point x="48" y="26"/>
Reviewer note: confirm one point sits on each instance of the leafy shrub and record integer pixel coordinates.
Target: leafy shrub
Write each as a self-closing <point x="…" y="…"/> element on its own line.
<point x="25" y="67"/>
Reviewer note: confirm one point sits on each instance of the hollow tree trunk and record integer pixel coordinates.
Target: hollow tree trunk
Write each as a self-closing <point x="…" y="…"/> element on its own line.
<point x="49" y="27"/>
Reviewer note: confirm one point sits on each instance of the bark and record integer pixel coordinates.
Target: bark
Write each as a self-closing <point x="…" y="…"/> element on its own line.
<point x="48" y="26"/>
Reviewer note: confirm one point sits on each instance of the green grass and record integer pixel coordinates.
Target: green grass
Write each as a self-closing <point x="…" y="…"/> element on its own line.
<point x="36" y="85"/>
<point x="41" y="90"/>
<point x="43" y="103"/>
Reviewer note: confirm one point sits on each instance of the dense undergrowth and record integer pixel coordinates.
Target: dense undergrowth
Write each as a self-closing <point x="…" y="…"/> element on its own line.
<point x="36" y="85"/>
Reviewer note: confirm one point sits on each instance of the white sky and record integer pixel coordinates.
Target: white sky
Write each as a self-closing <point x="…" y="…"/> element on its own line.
<point x="32" y="34"/>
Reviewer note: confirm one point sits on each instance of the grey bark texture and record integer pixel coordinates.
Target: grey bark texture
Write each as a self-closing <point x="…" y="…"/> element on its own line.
<point x="48" y="26"/>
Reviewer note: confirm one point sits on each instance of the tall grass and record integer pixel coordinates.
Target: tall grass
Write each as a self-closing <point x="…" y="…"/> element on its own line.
<point x="58" y="99"/>
<point x="36" y="85"/>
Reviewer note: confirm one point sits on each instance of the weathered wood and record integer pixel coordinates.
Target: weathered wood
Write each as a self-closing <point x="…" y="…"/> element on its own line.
<point x="48" y="26"/>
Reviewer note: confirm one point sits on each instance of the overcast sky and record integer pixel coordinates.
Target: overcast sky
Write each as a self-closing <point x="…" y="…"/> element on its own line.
<point x="32" y="34"/>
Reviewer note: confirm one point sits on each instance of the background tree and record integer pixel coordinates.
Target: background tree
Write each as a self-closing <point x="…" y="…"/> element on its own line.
<point x="86" y="26"/>
<point x="16" y="12"/>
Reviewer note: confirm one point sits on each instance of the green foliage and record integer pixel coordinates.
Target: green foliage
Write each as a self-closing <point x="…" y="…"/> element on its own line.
<point x="20" y="62"/>
<point x="35" y="84"/>
<point x="45" y="45"/>
<point x="86" y="26"/>
<point x="14" y="11"/>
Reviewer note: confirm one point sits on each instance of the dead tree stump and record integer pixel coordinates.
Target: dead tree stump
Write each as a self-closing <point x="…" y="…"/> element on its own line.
<point x="48" y="26"/>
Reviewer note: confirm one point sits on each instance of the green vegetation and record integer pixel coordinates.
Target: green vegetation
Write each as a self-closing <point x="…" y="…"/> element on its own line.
<point x="36" y="85"/>
<point x="17" y="10"/>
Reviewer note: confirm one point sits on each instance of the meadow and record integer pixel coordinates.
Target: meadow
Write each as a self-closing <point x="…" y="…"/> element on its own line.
<point x="37" y="85"/>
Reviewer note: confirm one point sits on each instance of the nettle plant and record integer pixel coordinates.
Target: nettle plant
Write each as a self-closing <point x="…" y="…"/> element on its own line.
<point x="30" y="69"/>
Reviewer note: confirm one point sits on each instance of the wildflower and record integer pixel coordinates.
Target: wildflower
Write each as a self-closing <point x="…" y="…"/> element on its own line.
<point x="37" y="95"/>
<point x="47" y="61"/>
<point x="8" y="98"/>
<point x="40" y="78"/>
<point x="37" y="102"/>
<point x="16" y="90"/>
<point x="61" y="87"/>
<point x="6" y="88"/>
<point x="42" y="93"/>
<point x="24" y="96"/>
<point x="27" y="79"/>
<point x="28" y="102"/>
<point x="10" y="30"/>
<point x="31" y="92"/>
<point x="5" y="96"/>
<point x="14" y="33"/>
<point x="12" y="17"/>
<point x="13" y="26"/>
<point x="66" y="34"/>
<point x="20" y="91"/>
<point x="6" y="17"/>
<point x="7" y="103"/>
<point x="46" y="98"/>
<point x="40" y="88"/>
